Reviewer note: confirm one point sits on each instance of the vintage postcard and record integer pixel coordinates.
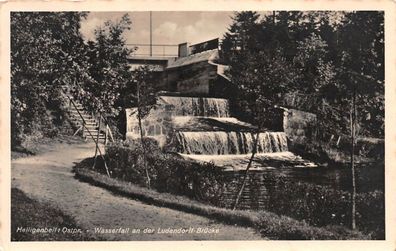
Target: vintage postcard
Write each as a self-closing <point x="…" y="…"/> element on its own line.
<point x="247" y="125"/>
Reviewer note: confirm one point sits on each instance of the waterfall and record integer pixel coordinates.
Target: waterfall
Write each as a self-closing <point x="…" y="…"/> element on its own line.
<point x="197" y="106"/>
<point x="192" y="134"/>
<point x="220" y="143"/>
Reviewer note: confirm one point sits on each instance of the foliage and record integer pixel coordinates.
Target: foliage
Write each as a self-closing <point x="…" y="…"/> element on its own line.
<point x="168" y="173"/>
<point x="315" y="204"/>
<point x="46" y="53"/>
<point x="322" y="206"/>
<point x="49" y="56"/>
<point x="269" y="224"/>
<point x="109" y="68"/>
<point x="323" y="55"/>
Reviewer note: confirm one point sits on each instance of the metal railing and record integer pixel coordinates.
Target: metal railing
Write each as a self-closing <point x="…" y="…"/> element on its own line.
<point x="154" y="50"/>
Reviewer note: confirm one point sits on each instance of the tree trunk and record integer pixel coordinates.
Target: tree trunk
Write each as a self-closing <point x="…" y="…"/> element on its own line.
<point x="247" y="170"/>
<point x="353" y="125"/>
<point x="141" y="137"/>
<point x="144" y="152"/>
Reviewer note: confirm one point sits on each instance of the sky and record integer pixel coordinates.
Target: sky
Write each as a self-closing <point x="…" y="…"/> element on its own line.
<point x="168" y="27"/>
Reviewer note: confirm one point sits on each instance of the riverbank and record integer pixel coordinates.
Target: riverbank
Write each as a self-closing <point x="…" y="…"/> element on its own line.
<point x="367" y="150"/>
<point x="267" y="223"/>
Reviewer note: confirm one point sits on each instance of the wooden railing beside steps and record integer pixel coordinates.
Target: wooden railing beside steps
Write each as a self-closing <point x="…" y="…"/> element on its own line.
<point x="96" y="140"/>
<point x="87" y="123"/>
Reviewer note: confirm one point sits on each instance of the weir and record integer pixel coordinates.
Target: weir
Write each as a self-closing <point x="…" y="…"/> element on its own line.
<point x="215" y="143"/>
<point x="202" y="130"/>
<point x="196" y="126"/>
<point x="197" y="106"/>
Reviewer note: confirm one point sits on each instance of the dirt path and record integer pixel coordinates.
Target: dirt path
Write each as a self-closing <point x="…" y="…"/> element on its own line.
<point x="48" y="177"/>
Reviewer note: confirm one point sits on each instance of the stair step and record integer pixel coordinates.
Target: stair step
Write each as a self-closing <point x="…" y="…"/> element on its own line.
<point x="87" y="121"/>
<point x="93" y="132"/>
<point x="91" y="120"/>
<point x="83" y="115"/>
<point x="100" y="137"/>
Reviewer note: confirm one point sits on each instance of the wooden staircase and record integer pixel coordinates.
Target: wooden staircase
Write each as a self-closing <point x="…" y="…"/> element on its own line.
<point x="92" y="127"/>
<point x="79" y="116"/>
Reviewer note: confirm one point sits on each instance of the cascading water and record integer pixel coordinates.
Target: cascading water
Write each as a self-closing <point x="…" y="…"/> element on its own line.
<point x="201" y="129"/>
<point x="221" y="143"/>
<point x="203" y="126"/>
<point x="197" y="106"/>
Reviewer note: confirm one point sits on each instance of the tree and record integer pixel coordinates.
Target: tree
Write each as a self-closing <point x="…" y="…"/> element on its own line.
<point x="362" y="74"/>
<point x="241" y="35"/>
<point x="145" y="99"/>
<point x="46" y="52"/>
<point x="108" y="67"/>
<point x="362" y="53"/>
<point x="262" y="81"/>
<point x="109" y="72"/>
<point x="260" y="72"/>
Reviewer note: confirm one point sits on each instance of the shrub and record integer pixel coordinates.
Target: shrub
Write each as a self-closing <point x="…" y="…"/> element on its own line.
<point x="168" y="172"/>
<point x="268" y="224"/>
<point x="322" y="205"/>
<point x="317" y="205"/>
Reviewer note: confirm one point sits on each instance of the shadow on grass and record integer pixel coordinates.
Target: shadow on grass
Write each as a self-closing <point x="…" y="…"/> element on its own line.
<point x="28" y="215"/>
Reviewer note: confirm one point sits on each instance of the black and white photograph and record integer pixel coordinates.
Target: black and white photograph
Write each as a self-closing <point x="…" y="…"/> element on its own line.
<point x="152" y="125"/>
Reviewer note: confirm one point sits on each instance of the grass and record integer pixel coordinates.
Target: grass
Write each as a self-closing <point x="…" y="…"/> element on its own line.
<point x="41" y="145"/>
<point x="28" y="213"/>
<point x="269" y="224"/>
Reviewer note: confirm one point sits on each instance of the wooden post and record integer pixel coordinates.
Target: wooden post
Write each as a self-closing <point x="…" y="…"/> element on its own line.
<point x="83" y="130"/>
<point x="90" y="134"/>
<point x="338" y="141"/>
<point x="97" y="143"/>
<point x="247" y="169"/>
<point x="107" y="129"/>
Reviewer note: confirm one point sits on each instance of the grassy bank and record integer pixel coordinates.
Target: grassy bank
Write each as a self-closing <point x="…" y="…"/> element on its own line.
<point x="41" y="145"/>
<point x="268" y="224"/>
<point x="28" y="213"/>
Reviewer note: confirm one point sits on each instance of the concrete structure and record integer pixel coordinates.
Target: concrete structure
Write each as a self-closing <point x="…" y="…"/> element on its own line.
<point x="194" y="72"/>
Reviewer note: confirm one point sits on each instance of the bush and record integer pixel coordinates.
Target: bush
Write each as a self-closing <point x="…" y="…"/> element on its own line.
<point x="322" y="205"/>
<point x="168" y="172"/>
<point x="268" y="224"/>
<point x="315" y="204"/>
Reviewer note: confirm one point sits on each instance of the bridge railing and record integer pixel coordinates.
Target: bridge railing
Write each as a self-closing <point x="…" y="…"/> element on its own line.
<point x="157" y="50"/>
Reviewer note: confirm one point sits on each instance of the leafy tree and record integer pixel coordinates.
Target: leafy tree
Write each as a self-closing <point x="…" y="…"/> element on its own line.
<point x="262" y="81"/>
<point x="260" y="72"/>
<point x="340" y="64"/>
<point x="144" y="99"/>
<point x="362" y="77"/>
<point x="108" y="67"/>
<point x="45" y="55"/>
<point x="362" y="45"/>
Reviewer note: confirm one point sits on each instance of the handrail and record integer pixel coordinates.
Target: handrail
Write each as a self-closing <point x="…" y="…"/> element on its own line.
<point x="89" y="132"/>
<point x="105" y="119"/>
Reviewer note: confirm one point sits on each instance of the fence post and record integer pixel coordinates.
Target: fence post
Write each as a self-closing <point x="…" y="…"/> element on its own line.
<point x="83" y="131"/>
<point x="106" y="130"/>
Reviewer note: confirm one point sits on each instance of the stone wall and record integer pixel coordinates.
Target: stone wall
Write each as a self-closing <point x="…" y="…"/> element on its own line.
<point x="298" y="125"/>
<point x="156" y="125"/>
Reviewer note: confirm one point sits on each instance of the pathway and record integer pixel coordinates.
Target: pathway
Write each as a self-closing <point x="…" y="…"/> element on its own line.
<point x="48" y="177"/>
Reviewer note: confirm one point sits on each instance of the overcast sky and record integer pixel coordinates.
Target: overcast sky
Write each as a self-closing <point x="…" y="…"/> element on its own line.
<point x="168" y="27"/>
